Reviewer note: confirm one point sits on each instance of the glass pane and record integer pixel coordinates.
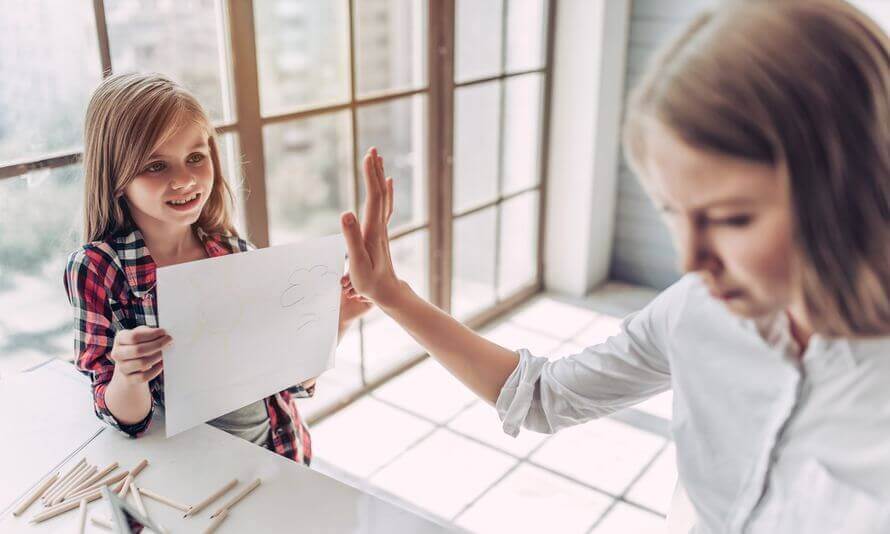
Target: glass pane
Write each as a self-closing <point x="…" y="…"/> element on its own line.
<point x="473" y="264"/>
<point x="41" y="220"/>
<point x="230" y="159"/>
<point x="309" y="177"/>
<point x="526" y="31"/>
<point x="476" y="112"/>
<point x="522" y="132"/>
<point x="302" y="53"/>
<point x="50" y="65"/>
<point x="390" y="37"/>
<point x="478" y="39"/>
<point x="879" y="10"/>
<point x="398" y="129"/>
<point x="387" y="344"/>
<point x="335" y="385"/>
<point x="519" y="244"/>
<point x="182" y="40"/>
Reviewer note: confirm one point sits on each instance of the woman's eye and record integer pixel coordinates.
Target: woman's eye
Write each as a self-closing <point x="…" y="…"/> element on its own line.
<point x="157" y="166"/>
<point x="196" y="158"/>
<point x="736" y="221"/>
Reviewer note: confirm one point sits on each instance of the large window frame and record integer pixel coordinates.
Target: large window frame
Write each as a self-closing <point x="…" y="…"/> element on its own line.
<point x="242" y="74"/>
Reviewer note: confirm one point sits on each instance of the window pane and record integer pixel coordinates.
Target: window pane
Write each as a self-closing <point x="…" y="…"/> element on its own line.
<point x="41" y="221"/>
<point x="230" y="159"/>
<point x="522" y="132"/>
<point x="473" y="264"/>
<point x="309" y="180"/>
<point x="398" y="129"/>
<point x="879" y="10"/>
<point x="478" y="38"/>
<point x="181" y="40"/>
<point x="519" y="244"/>
<point x="390" y="38"/>
<point x="526" y="30"/>
<point x="476" y="112"/>
<point x="50" y="65"/>
<point x="386" y="344"/>
<point x="302" y="53"/>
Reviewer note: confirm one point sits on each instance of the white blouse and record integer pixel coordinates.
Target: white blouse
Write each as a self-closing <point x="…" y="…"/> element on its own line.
<point x="765" y="442"/>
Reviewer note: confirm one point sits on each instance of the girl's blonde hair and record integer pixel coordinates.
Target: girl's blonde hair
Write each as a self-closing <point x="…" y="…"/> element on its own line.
<point x="804" y="84"/>
<point x="128" y="116"/>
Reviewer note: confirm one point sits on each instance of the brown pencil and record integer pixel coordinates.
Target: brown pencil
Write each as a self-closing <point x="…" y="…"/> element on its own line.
<point x="38" y="491"/>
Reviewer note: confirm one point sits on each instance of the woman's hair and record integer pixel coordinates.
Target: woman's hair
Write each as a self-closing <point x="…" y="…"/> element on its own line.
<point x="128" y="117"/>
<point x="805" y="85"/>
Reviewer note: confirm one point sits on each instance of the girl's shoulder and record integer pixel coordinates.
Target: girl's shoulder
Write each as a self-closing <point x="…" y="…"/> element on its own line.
<point x="113" y="253"/>
<point x="231" y="242"/>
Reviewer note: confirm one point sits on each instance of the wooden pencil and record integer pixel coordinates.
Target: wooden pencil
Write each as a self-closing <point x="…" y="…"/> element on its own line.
<point x="160" y="498"/>
<point x="38" y="491"/>
<point x="217" y="521"/>
<point x="213" y="497"/>
<point x="50" y="495"/>
<point x="82" y="519"/>
<point x="237" y="498"/>
<point x="49" y="513"/>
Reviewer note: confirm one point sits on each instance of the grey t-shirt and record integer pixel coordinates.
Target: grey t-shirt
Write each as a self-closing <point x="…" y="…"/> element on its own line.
<point x="250" y="422"/>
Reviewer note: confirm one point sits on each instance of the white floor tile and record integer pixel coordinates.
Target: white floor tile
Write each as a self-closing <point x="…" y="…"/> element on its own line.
<point x="444" y="473"/>
<point x="599" y="331"/>
<point x="531" y="500"/>
<point x="429" y="390"/>
<point x="656" y="487"/>
<point x="554" y="318"/>
<point x="605" y="453"/>
<point x="660" y="405"/>
<point x="626" y="519"/>
<point x="365" y="436"/>
<point x="516" y="337"/>
<point x="481" y="421"/>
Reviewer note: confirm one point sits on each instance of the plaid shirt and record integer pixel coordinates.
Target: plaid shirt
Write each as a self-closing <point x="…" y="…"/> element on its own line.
<point x="111" y="286"/>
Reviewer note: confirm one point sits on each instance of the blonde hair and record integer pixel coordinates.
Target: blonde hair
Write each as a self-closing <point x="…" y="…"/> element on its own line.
<point x="803" y="84"/>
<point x="129" y="115"/>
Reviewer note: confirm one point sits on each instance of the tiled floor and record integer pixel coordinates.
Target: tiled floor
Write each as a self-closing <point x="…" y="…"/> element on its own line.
<point x="424" y="438"/>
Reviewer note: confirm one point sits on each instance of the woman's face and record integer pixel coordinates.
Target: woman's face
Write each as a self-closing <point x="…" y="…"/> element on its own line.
<point x="730" y="218"/>
<point x="175" y="182"/>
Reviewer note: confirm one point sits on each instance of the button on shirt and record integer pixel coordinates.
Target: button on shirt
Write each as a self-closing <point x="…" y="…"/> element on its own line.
<point x="766" y="441"/>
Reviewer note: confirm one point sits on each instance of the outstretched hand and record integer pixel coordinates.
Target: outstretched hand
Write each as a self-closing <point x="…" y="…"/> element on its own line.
<point x="370" y="263"/>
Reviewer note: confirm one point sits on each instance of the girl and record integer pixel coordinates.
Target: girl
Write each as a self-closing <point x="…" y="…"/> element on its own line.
<point x="763" y="133"/>
<point x="155" y="195"/>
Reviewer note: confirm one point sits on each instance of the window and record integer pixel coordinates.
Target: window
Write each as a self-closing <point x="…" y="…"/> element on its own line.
<point x="298" y="90"/>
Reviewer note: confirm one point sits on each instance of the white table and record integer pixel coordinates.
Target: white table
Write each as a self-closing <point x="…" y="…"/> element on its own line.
<point x="46" y="415"/>
<point x="191" y="465"/>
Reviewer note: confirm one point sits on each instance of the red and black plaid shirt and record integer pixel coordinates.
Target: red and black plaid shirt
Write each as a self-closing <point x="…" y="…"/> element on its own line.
<point x="111" y="286"/>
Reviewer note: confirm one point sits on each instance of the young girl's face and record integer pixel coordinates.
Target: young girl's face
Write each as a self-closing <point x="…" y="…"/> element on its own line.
<point x="730" y="218"/>
<point x="175" y="182"/>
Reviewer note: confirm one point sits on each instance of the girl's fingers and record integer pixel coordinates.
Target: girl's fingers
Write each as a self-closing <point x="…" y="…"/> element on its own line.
<point x="140" y="365"/>
<point x="389" y="199"/>
<point x="151" y="374"/>
<point x="358" y="256"/>
<point x="141" y="350"/>
<point x="140" y="334"/>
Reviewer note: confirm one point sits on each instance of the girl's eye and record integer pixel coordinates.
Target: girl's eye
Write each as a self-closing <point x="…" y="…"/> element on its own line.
<point x="196" y="158"/>
<point x="157" y="166"/>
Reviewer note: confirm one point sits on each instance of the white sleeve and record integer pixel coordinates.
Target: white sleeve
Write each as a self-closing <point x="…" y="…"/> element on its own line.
<point x="546" y="395"/>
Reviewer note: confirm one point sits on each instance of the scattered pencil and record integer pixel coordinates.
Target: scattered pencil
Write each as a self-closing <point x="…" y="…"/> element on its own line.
<point x="82" y="519"/>
<point x="139" y="467"/>
<point x="126" y="488"/>
<point x="98" y="485"/>
<point x="95" y="478"/>
<point x="213" y="497"/>
<point x="38" y="491"/>
<point x="237" y="498"/>
<point x="49" y="513"/>
<point x="63" y="486"/>
<point x="162" y="499"/>
<point x="217" y="521"/>
<point x="83" y="476"/>
<point x="101" y="522"/>
<point x="137" y="498"/>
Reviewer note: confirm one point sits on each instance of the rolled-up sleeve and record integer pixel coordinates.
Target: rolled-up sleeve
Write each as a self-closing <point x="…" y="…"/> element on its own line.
<point x="545" y="395"/>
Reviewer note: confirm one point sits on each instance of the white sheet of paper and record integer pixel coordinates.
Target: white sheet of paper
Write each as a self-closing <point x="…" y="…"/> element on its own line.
<point x="246" y="326"/>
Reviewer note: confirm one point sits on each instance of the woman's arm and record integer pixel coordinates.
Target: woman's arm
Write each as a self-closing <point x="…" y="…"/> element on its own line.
<point x="480" y="364"/>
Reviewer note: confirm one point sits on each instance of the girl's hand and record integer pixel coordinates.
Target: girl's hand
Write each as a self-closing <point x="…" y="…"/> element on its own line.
<point x="137" y="354"/>
<point x="370" y="263"/>
<point x="352" y="305"/>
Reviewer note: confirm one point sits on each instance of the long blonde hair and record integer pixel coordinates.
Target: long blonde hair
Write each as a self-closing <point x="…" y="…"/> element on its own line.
<point x="129" y="115"/>
<point x="804" y="84"/>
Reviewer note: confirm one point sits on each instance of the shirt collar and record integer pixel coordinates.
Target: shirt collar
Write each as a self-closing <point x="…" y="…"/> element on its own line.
<point x="138" y="265"/>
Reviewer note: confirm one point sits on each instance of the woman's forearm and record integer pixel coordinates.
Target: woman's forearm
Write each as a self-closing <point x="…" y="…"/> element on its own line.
<point x="480" y="364"/>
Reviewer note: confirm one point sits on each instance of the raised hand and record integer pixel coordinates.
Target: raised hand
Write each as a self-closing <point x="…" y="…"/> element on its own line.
<point x="370" y="263"/>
